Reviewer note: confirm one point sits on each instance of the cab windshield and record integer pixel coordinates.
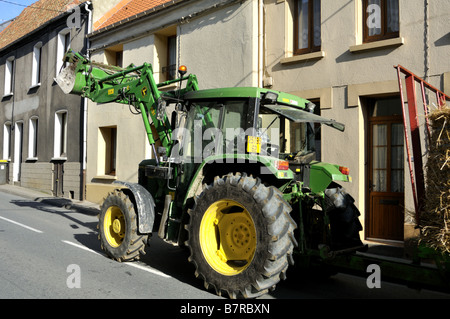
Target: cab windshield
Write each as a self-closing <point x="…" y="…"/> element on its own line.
<point x="214" y="128"/>
<point x="285" y="137"/>
<point x="222" y="127"/>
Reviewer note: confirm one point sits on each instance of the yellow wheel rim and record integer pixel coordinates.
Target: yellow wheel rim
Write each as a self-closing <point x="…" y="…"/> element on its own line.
<point x="114" y="226"/>
<point x="227" y="237"/>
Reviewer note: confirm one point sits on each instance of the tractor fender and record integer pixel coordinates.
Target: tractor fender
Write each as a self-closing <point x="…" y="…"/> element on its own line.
<point x="145" y="206"/>
<point x="321" y="175"/>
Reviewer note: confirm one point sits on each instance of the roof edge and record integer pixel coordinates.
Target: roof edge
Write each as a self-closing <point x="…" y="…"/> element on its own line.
<point x="110" y="13"/>
<point x="68" y="12"/>
<point x="149" y="12"/>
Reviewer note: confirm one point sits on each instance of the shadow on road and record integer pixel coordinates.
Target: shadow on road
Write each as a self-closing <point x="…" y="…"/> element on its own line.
<point x="166" y="258"/>
<point x="60" y="206"/>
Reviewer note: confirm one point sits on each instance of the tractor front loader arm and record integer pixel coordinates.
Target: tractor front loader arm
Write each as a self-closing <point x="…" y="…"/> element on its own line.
<point x="133" y="85"/>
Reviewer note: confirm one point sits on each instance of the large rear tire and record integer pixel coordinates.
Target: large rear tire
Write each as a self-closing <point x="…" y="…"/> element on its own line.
<point x="240" y="236"/>
<point x="344" y="218"/>
<point x="118" y="231"/>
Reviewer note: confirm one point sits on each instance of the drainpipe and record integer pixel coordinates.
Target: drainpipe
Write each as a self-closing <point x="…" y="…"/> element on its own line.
<point x="426" y="42"/>
<point x="260" y="42"/>
<point x="266" y="80"/>
<point x="13" y="124"/>
<point x="85" y="106"/>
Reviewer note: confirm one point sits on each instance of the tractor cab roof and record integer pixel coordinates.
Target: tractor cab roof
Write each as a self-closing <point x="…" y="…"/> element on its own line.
<point x="275" y="97"/>
<point x="290" y="106"/>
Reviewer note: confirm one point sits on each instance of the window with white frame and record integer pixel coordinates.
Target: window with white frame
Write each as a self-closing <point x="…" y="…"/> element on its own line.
<point x="62" y="46"/>
<point x="9" y="76"/>
<point x="7" y="141"/>
<point x="33" y="138"/>
<point x="36" y="69"/>
<point x="60" y="146"/>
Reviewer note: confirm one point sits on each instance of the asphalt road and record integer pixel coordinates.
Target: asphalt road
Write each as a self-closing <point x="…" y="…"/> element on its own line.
<point x="49" y="252"/>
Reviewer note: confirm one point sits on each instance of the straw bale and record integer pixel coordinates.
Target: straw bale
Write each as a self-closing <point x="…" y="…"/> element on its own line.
<point x="435" y="217"/>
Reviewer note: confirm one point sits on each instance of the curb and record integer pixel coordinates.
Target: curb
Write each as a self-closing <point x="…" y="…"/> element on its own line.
<point x="70" y="205"/>
<point x="82" y="207"/>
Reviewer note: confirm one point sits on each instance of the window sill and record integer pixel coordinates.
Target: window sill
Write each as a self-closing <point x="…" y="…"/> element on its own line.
<point x="382" y="44"/>
<point x="31" y="159"/>
<point x="7" y="95"/>
<point x="59" y="159"/>
<point x="303" y="57"/>
<point x="35" y="86"/>
<point x="169" y="87"/>
<point x="106" y="177"/>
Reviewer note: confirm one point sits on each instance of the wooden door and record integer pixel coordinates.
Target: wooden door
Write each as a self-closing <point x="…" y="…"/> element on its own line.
<point x="58" y="178"/>
<point x="18" y="152"/>
<point x="386" y="177"/>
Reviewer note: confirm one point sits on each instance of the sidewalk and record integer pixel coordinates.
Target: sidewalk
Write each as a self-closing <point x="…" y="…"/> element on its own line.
<point x="84" y="207"/>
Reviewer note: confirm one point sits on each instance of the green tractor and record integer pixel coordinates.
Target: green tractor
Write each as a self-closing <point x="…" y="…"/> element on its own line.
<point x="234" y="178"/>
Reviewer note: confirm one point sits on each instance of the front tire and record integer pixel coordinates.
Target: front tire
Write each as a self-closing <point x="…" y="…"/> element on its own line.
<point x="117" y="226"/>
<point x="240" y="236"/>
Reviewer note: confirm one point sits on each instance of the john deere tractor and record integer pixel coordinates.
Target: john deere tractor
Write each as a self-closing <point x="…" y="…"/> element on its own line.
<point x="233" y="177"/>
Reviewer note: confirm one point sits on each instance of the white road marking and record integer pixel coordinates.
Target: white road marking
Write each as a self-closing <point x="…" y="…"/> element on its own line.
<point x="22" y="225"/>
<point x="135" y="265"/>
<point x="132" y="264"/>
<point x="81" y="246"/>
<point x="148" y="269"/>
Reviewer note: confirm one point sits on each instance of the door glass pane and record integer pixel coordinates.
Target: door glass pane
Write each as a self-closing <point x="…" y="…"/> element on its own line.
<point x="379" y="157"/>
<point x="387" y="107"/>
<point x="397" y="134"/>
<point x="397" y="181"/>
<point x="379" y="182"/>
<point x="379" y="135"/>
<point x="397" y="146"/>
<point x="397" y="158"/>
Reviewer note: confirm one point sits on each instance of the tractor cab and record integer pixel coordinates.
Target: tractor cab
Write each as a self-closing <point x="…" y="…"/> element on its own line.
<point x="222" y="122"/>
